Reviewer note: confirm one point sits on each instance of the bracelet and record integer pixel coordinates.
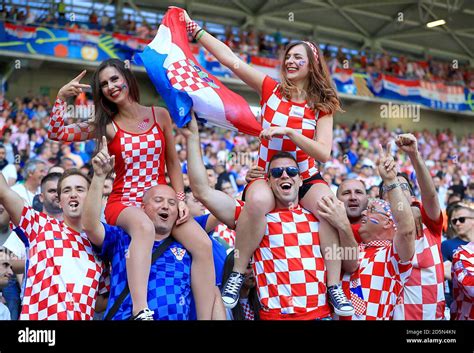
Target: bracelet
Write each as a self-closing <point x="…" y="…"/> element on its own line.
<point x="191" y="27"/>
<point x="387" y="188"/>
<point x="197" y="33"/>
<point x="200" y="34"/>
<point x="180" y="196"/>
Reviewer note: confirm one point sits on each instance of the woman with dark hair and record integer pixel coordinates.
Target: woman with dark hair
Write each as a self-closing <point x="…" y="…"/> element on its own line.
<point x="297" y="117"/>
<point x="248" y="307"/>
<point x="141" y="139"/>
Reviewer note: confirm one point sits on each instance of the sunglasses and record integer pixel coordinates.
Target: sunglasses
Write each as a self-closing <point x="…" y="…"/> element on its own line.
<point x="290" y="171"/>
<point x="454" y="221"/>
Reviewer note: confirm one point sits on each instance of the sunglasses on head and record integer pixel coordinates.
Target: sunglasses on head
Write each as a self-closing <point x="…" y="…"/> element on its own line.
<point x="290" y="171"/>
<point x="454" y="221"/>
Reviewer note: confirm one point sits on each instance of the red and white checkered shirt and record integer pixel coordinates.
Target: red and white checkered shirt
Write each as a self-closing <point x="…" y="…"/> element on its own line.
<point x="63" y="274"/>
<point x="139" y="163"/>
<point x="59" y="132"/>
<point x="379" y="280"/>
<point x="423" y="295"/>
<point x="248" y="312"/>
<point x="289" y="268"/>
<point x="462" y="271"/>
<point x="225" y="233"/>
<point x="278" y="111"/>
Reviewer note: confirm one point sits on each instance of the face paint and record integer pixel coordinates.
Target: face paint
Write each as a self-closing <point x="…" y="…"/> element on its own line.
<point x="124" y="86"/>
<point x="373" y="220"/>
<point x="301" y="62"/>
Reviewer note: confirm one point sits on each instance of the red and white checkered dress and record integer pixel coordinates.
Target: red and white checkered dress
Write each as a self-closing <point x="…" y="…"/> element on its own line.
<point x="59" y="132"/>
<point x="423" y="295"/>
<point x="139" y="165"/>
<point x="380" y="279"/>
<point x="289" y="268"/>
<point x="63" y="273"/>
<point x="462" y="271"/>
<point x="278" y="111"/>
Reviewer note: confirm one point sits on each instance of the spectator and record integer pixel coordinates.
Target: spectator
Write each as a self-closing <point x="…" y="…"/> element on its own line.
<point x="8" y="170"/>
<point x="33" y="172"/>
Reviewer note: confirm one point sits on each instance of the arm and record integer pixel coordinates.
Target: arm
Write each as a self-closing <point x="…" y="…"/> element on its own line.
<point x="429" y="196"/>
<point x="102" y="164"/>
<point x="226" y="57"/>
<point x="404" y="239"/>
<point x="12" y="202"/>
<point x="172" y="164"/>
<point x="464" y="276"/>
<point x="217" y="202"/>
<point x="73" y="132"/>
<point x="333" y="211"/>
<point x="318" y="148"/>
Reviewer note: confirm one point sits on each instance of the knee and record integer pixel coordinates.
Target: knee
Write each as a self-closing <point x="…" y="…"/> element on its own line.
<point x="259" y="204"/>
<point x="143" y="229"/>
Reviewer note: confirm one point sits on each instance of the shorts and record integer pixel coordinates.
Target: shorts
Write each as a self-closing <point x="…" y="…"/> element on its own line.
<point x="112" y="212"/>
<point x="315" y="179"/>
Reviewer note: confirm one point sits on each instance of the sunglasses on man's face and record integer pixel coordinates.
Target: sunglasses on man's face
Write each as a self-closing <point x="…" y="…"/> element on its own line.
<point x="290" y="171"/>
<point x="454" y="221"/>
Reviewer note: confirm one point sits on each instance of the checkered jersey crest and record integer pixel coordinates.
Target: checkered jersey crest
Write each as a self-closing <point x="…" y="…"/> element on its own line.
<point x="423" y="294"/>
<point x="277" y="111"/>
<point x="381" y="276"/>
<point x="462" y="270"/>
<point x="63" y="275"/>
<point x="140" y="164"/>
<point x="288" y="265"/>
<point x="185" y="75"/>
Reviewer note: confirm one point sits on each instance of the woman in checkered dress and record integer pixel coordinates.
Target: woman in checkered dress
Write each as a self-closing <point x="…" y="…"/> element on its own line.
<point x="141" y="139"/>
<point x="297" y="117"/>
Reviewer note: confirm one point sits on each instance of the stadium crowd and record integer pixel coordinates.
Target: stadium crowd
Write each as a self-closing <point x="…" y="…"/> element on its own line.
<point x="27" y="155"/>
<point x="251" y="42"/>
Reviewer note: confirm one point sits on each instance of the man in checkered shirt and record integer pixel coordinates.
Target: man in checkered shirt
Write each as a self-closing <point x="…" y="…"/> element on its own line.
<point x="62" y="279"/>
<point x="423" y="295"/>
<point x="387" y="233"/>
<point x="288" y="265"/>
<point x="169" y="284"/>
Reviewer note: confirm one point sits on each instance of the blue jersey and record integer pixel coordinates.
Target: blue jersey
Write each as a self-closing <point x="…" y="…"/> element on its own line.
<point x="449" y="246"/>
<point x="169" y="284"/>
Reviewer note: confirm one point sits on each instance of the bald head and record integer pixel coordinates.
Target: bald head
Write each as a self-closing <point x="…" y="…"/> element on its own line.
<point x="354" y="195"/>
<point x="161" y="206"/>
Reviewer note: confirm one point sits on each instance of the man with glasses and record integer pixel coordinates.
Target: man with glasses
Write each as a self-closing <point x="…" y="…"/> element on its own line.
<point x="387" y="233"/>
<point x="288" y="264"/>
<point x="463" y="263"/>
<point x="423" y="296"/>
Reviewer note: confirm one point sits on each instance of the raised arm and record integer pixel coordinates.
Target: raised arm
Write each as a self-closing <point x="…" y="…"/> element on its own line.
<point x="218" y="203"/>
<point x="12" y="202"/>
<point x="226" y="57"/>
<point x="408" y="144"/>
<point x="173" y="166"/>
<point x="404" y="239"/>
<point x="74" y="132"/>
<point x="103" y="164"/>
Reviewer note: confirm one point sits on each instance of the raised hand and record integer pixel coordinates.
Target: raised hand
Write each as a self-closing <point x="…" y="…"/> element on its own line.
<point x="407" y="143"/>
<point x="102" y="163"/>
<point x="386" y="164"/>
<point x="191" y="128"/>
<point x="73" y="88"/>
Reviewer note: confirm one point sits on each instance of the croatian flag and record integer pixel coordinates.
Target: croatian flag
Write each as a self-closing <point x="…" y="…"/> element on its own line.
<point x="185" y="85"/>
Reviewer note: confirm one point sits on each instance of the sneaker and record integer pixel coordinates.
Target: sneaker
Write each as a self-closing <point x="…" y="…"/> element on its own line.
<point x="144" y="315"/>
<point x="231" y="290"/>
<point x="337" y="298"/>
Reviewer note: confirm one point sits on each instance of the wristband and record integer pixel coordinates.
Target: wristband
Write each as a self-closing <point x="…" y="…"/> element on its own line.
<point x="191" y="27"/>
<point x="180" y="196"/>
<point x="201" y="33"/>
<point x="197" y="33"/>
<point x="387" y="188"/>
